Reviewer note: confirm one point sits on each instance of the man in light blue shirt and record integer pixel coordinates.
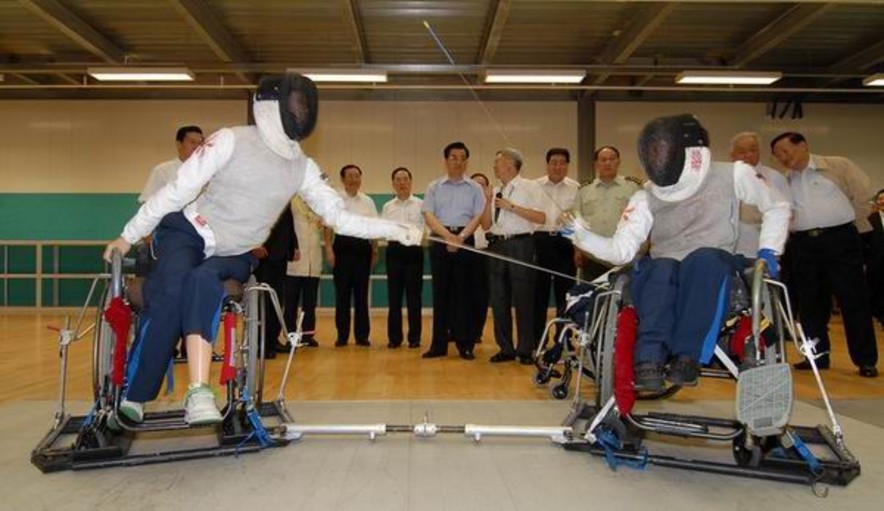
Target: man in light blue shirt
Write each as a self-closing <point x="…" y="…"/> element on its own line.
<point x="453" y="207"/>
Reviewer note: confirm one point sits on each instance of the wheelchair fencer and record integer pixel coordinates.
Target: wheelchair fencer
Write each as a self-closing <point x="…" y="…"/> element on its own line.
<point x="749" y="349"/>
<point x="102" y="437"/>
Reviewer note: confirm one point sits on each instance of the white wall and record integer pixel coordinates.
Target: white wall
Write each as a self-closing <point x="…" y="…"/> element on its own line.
<point x="110" y="146"/>
<point x="854" y="131"/>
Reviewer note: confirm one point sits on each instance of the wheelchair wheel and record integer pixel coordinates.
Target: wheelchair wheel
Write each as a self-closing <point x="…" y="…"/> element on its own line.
<point x="103" y="337"/>
<point x="251" y="364"/>
<point x="751" y="454"/>
<point x="560" y="391"/>
<point x="605" y="345"/>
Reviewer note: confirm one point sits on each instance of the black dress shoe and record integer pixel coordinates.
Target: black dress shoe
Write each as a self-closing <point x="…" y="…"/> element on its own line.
<point x="363" y="343"/>
<point x="501" y="357"/>
<point x="269" y="354"/>
<point x="309" y="342"/>
<point x="434" y="354"/>
<point x="413" y="345"/>
<point x="868" y="371"/>
<point x="804" y="365"/>
<point x="526" y="360"/>
<point x="393" y="345"/>
<point x="339" y="343"/>
<point x="467" y="355"/>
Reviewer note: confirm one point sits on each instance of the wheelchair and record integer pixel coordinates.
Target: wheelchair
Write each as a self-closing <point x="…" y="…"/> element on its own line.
<point x="598" y="342"/>
<point x="103" y="437"/>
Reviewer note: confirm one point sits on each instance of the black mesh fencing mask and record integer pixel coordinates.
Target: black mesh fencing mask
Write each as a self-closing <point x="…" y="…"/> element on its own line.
<point x="298" y="101"/>
<point x="662" y="144"/>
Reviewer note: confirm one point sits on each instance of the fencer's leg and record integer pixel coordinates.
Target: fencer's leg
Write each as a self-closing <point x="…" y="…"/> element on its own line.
<point x="703" y="289"/>
<point x="202" y="299"/>
<point x="654" y="294"/>
<point x="179" y="250"/>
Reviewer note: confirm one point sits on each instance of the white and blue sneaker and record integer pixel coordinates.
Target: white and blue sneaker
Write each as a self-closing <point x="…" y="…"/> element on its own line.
<point x="199" y="406"/>
<point x="132" y="410"/>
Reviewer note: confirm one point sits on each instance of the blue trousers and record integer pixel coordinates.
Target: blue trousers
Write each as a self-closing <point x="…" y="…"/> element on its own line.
<point x="182" y="296"/>
<point x="681" y="304"/>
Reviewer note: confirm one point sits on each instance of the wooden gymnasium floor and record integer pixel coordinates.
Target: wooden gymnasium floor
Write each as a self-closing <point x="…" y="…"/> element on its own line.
<point x="29" y="368"/>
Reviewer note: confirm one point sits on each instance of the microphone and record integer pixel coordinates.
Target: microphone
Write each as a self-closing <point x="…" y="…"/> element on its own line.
<point x="499" y="195"/>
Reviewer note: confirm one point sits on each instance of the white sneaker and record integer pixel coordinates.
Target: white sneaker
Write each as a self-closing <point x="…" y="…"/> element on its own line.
<point x="199" y="406"/>
<point x="132" y="410"/>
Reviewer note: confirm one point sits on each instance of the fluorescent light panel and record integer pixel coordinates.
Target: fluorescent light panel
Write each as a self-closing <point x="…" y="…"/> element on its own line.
<point x="344" y="75"/>
<point x="534" y="76"/>
<point x="727" y="77"/>
<point x="147" y="74"/>
<point x="875" y="80"/>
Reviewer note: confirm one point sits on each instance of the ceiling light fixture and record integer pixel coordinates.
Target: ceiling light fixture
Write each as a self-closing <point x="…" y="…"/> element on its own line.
<point x="145" y="74"/>
<point x="534" y="76"/>
<point x="344" y="75"/>
<point x="875" y="80"/>
<point x="727" y="77"/>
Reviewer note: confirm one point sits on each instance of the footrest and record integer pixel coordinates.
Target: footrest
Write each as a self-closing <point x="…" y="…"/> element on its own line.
<point x="764" y="399"/>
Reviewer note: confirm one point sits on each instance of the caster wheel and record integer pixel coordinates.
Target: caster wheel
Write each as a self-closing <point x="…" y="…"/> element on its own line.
<point x="560" y="392"/>
<point x="541" y="378"/>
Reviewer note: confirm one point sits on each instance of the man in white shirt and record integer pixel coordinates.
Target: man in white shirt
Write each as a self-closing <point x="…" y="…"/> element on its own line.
<point x="745" y="148"/>
<point x="830" y="197"/>
<point x="405" y="265"/>
<point x="187" y="139"/>
<point x="554" y="251"/>
<point x="518" y="210"/>
<point x="351" y="260"/>
<point x="688" y="213"/>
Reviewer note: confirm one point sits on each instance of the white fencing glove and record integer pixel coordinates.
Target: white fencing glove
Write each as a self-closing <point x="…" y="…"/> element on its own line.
<point x="407" y="234"/>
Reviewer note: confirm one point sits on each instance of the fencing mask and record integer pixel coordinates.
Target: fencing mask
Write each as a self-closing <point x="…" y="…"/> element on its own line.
<point x="297" y="100"/>
<point x="662" y="144"/>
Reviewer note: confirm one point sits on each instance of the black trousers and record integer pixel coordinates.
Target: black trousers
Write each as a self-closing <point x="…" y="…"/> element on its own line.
<point x="454" y="297"/>
<point x="351" y="273"/>
<point x="405" y="274"/>
<point x="512" y="286"/>
<point x="272" y="273"/>
<point x="555" y="253"/>
<point x="832" y="263"/>
<point x="297" y="288"/>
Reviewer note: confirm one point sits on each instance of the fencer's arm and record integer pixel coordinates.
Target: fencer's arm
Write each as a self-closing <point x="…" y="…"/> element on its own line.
<point x="329" y="205"/>
<point x="632" y="230"/>
<point x="775" y="209"/>
<point x="187" y="185"/>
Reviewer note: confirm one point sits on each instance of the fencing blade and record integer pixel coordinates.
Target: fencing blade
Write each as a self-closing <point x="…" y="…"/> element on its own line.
<point x="494" y="255"/>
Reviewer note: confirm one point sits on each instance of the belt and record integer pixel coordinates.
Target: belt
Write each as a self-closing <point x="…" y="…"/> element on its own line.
<point x="454" y="230"/>
<point x="497" y="238"/>
<point x="819" y="231"/>
<point x="551" y="234"/>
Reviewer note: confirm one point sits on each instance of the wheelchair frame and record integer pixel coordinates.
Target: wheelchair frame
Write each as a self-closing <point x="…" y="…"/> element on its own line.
<point x="100" y="444"/>
<point x="754" y="456"/>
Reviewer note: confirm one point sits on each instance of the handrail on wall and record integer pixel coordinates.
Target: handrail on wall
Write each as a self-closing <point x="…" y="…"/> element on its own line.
<point x="55" y="276"/>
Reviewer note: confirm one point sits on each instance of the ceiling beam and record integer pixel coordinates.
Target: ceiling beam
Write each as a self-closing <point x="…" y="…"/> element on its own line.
<point x="27" y="79"/>
<point x="74" y="27"/>
<point x="777" y="31"/>
<point x="498" y="13"/>
<point x="860" y="60"/>
<point x="637" y="29"/>
<point x="354" y="21"/>
<point x="68" y="78"/>
<point x="201" y="18"/>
